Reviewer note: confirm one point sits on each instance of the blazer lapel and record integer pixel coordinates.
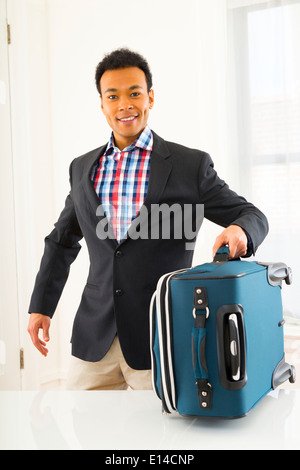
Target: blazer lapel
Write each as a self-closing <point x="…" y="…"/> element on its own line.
<point x="96" y="206"/>
<point x="160" y="169"/>
<point x="86" y="177"/>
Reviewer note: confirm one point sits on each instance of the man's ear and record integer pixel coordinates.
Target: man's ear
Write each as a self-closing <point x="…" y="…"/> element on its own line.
<point x="151" y="98"/>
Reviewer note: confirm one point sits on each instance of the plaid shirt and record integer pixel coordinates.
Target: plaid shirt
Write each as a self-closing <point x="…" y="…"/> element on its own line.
<point x="120" y="180"/>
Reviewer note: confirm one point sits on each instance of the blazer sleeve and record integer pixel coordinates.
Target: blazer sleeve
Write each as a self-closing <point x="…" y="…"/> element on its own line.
<point x="61" y="248"/>
<point x="225" y="207"/>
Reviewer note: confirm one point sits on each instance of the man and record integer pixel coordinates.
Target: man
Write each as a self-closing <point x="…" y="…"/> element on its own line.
<point x="110" y="188"/>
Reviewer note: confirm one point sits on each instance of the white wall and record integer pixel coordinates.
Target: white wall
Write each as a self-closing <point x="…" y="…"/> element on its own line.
<point x="57" y="114"/>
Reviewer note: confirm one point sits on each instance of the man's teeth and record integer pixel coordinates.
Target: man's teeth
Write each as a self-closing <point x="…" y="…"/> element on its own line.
<point x="128" y="119"/>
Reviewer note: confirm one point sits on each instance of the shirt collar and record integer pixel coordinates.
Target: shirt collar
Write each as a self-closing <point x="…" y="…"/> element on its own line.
<point x="144" y="141"/>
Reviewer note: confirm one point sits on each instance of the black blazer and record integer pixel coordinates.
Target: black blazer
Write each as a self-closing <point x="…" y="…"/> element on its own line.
<point x="122" y="277"/>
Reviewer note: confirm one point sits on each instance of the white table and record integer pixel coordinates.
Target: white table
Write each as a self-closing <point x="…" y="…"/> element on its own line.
<point x="116" y="420"/>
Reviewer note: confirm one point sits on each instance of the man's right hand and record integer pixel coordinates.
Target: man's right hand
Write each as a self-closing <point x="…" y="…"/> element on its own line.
<point x="36" y="322"/>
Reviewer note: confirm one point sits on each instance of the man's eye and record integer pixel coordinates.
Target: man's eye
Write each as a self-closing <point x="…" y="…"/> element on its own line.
<point x="136" y="93"/>
<point x="112" y="97"/>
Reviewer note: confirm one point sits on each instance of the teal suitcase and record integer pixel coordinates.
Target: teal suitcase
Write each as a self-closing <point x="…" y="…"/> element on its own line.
<point x="217" y="342"/>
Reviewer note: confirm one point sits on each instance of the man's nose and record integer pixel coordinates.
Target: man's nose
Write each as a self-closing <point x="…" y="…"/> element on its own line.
<point x="125" y="104"/>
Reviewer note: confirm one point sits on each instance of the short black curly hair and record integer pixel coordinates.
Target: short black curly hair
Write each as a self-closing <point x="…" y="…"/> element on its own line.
<point x="119" y="59"/>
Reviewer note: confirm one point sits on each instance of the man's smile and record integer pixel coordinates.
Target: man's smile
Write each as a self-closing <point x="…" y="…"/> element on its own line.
<point x="128" y="118"/>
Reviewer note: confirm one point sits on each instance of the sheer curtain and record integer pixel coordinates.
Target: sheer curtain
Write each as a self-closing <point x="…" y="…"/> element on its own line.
<point x="264" y="87"/>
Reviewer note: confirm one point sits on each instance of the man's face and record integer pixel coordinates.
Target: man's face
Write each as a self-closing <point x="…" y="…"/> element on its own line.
<point x="125" y="103"/>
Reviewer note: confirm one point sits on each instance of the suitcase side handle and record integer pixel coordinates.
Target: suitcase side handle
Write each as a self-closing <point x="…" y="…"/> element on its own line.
<point x="201" y="315"/>
<point x="231" y="347"/>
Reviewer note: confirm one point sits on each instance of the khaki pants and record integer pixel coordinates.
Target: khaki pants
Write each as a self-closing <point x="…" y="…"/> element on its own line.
<point x="110" y="373"/>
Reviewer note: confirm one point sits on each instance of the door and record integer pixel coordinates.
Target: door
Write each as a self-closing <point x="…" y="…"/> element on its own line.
<point x="10" y="373"/>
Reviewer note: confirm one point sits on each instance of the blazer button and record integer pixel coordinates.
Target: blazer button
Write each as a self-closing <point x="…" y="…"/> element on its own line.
<point x="119" y="292"/>
<point x="118" y="254"/>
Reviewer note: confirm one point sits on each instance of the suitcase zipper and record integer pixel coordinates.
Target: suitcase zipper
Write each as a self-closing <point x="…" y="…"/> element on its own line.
<point x="152" y="336"/>
<point x="160" y="298"/>
<point x="167" y="377"/>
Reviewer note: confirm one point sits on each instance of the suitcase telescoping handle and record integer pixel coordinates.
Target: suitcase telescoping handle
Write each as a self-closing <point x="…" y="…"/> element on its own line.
<point x="222" y="255"/>
<point x="201" y="314"/>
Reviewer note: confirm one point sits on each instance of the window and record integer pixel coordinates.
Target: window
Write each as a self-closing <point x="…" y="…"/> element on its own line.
<point x="264" y="46"/>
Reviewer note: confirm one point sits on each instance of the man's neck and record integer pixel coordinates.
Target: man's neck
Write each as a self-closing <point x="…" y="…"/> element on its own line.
<point x="122" y="143"/>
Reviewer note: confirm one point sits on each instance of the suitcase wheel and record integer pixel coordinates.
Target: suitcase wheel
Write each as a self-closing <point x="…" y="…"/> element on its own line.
<point x="292" y="378"/>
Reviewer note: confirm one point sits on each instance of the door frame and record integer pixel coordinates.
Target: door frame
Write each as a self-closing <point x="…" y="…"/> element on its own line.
<point x="10" y="372"/>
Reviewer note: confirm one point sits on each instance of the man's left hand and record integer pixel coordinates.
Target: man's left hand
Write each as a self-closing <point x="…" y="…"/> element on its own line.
<point x="236" y="239"/>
